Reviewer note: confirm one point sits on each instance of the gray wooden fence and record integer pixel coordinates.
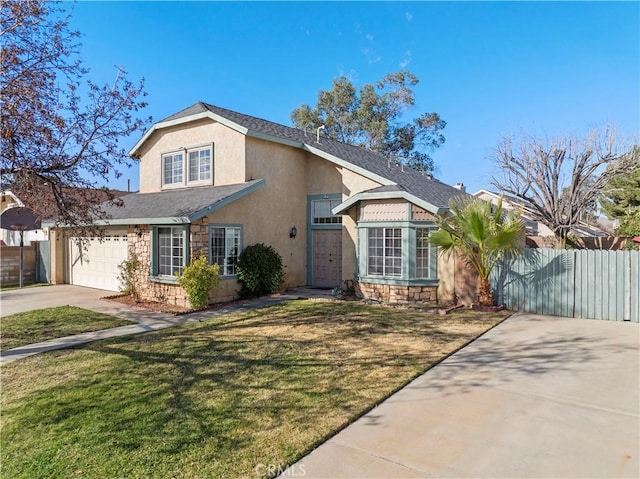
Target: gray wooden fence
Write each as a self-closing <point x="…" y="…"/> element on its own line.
<point x="592" y="284"/>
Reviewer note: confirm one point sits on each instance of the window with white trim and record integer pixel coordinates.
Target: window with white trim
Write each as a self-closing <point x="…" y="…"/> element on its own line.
<point x="200" y="165"/>
<point x="169" y="250"/>
<point x="225" y="246"/>
<point x="172" y="169"/>
<point x="191" y="166"/>
<point x="384" y="252"/>
<point x="423" y="253"/>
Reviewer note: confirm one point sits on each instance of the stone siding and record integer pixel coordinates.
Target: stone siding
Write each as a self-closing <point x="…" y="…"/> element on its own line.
<point x="140" y="245"/>
<point x="389" y="293"/>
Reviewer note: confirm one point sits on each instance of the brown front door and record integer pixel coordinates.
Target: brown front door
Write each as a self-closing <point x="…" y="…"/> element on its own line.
<point x="327" y="258"/>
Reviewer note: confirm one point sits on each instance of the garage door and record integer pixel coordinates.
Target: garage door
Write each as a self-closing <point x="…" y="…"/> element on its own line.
<point x="95" y="263"/>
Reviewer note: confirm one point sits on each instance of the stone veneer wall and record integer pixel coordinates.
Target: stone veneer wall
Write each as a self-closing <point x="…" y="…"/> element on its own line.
<point x="167" y="292"/>
<point x="389" y="293"/>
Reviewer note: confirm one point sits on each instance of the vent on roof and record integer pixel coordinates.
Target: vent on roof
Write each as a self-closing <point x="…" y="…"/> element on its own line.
<point x="461" y="187"/>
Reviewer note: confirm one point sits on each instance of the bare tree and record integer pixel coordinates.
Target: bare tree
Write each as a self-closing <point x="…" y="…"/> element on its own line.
<point x="61" y="136"/>
<point x="559" y="178"/>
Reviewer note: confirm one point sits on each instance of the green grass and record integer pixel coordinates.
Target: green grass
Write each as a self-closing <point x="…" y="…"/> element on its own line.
<point x="42" y="324"/>
<point x="216" y="399"/>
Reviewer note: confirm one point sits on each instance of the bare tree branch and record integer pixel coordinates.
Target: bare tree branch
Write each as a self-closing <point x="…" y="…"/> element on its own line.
<point x="61" y="135"/>
<point x="560" y="178"/>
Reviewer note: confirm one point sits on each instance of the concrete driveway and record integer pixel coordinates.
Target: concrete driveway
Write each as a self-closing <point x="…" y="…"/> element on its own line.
<point x="536" y="397"/>
<point x="27" y="299"/>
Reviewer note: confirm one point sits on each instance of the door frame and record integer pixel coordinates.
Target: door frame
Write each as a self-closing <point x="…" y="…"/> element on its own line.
<point x="311" y="227"/>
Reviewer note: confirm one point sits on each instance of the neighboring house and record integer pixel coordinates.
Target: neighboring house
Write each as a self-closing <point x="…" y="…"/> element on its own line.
<point x="213" y="181"/>
<point x="534" y="227"/>
<point x="12" y="238"/>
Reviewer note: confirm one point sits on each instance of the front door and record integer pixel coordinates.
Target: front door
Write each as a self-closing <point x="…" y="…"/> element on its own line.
<point x="327" y="258"/>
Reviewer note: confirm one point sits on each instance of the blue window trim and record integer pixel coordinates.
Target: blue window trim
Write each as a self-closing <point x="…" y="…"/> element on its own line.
<point x="225" y="225"/>
<point x="153" y="252"/>
<point x="408" y="277"/>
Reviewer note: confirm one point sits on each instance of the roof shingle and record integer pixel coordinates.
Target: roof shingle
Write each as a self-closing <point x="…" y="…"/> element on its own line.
<point x="414" y="182"/>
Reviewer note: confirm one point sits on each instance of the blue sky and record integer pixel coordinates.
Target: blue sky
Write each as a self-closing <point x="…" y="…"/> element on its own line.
<point x="489" y="69"/>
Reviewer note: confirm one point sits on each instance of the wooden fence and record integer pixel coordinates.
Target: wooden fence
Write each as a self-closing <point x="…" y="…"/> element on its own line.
<point x="589" y="284"/>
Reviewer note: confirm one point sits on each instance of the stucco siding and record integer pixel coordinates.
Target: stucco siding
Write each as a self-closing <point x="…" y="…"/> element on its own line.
<point x="322" y="176"/>
<point x="228" y="152"/>
<point x="271" y="212"/>
<point x="352" y="183"/>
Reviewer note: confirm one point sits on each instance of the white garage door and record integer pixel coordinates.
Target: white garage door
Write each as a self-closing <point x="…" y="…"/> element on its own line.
<point x="95" y="264"/>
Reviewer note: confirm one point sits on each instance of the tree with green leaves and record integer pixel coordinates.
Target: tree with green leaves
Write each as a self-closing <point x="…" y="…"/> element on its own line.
<point x="482" y="234"/>
<point x="373" y="118"/>
<point x="620" y="197"/>
<point x="61" y="135"/>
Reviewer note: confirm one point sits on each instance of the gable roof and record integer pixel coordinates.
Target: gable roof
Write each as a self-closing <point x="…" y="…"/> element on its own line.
<point x="359" y="160"/>
<point x="180" y="206"/>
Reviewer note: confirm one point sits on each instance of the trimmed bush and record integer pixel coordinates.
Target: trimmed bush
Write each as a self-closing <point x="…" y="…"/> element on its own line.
<point x="259" y="270"/>
<point x="198" y="280"/>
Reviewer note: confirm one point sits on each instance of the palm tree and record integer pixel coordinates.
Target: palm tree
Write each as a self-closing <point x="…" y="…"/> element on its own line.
<point x="482" y="234"/>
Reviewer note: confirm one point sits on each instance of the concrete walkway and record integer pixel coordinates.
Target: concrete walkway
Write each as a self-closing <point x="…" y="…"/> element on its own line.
<point x="536" y="397"/>
<point x="28" y="299"/>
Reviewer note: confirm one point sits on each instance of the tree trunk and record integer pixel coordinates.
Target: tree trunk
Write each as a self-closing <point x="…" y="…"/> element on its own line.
<point x="485" y="296"/>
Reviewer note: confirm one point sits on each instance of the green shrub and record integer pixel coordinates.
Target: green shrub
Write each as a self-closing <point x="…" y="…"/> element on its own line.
<point x="259" y="270"/>
<point x="198" y="280"/>
<point x="128" y="269"/>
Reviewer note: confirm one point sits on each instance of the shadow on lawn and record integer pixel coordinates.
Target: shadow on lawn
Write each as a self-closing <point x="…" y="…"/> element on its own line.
<point x="254" y="379"/>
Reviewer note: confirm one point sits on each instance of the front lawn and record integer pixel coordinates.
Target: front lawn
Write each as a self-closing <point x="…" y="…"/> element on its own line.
<point x="226" y="398"/>
<point x="42" y="324"/>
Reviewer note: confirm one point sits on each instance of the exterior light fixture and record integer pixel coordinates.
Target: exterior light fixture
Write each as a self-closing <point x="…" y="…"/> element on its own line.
<point x="293" y="232"/>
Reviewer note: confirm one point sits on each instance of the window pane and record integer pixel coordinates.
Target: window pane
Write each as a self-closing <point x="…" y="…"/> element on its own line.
<point x="225" y="249"/>
<point x="422" y="253"/>
<point x="205" y="164"/>
<point x="200" y="165"/>
<point x="321" y="212"/>
<point x="170" y="250"/>
<point x="193" y="166"/>
<point x="217" y="248"/>
<point x="384" y="250"/>
<point x="376" y="251"/>
<point x="172" y="169"/>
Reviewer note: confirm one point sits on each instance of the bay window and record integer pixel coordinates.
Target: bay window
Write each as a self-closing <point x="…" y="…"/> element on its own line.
<point x="384" y="252"/>
<point x="396" y="253"/>
<point x="423" y="253"/>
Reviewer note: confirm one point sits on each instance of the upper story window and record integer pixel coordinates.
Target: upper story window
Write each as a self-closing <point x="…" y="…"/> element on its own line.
<point x="200" y="165"/>
<point x="172" y="166"/>
<point x="191" y="166"/>
<point x="321" y="212"/>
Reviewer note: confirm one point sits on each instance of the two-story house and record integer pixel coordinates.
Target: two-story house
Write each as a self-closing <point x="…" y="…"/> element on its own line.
<point x="213" y="181"/>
